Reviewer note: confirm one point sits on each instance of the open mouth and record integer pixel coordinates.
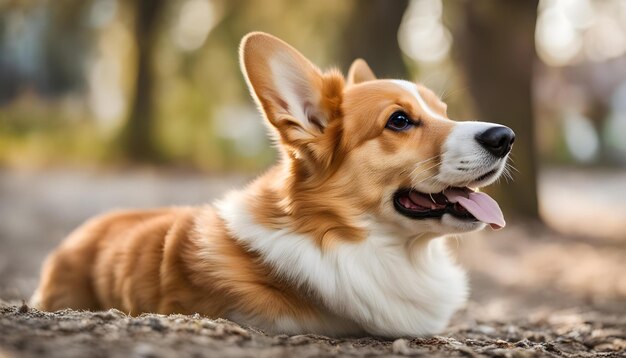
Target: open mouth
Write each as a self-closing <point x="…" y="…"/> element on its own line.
<point x="462" y="203"/>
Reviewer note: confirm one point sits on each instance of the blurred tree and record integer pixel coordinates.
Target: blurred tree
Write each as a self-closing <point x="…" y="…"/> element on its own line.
<point x="371" y="33"/>
<point x="66" y="45"/>
<point x="494" y="44"/>
<point x="138" y="137"/>
<point x="43" y="48"/>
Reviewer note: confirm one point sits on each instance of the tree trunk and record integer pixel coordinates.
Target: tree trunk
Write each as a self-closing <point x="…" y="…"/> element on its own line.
<point x="138" y="139"/>
<point x="371" y="33"/>
<point x="494" y="44"/>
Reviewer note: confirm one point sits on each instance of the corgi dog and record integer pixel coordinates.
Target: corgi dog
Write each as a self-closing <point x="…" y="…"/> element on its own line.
<point x="344" y="236"/>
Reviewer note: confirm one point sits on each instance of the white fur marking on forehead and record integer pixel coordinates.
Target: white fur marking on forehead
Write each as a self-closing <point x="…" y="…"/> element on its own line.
<point x="412" y="88"/>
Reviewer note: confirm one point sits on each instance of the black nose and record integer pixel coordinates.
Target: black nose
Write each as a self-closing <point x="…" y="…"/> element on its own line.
<point x="497" y="140"/>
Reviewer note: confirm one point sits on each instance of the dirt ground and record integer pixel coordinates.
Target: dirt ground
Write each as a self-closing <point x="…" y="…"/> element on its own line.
<point x="535" y="291"/>
<point x="69" y="333"/>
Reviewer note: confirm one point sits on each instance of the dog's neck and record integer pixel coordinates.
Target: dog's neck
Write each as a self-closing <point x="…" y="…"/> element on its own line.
<point x="285" y="199"/>
<point x="379" y="280"/>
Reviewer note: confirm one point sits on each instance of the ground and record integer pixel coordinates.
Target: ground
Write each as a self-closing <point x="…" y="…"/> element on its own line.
<point x="73" y="334"/>
<point x="536" y="291"/>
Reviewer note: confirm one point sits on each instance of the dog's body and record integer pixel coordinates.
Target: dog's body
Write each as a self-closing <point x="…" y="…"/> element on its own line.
<point x="339" y="238"/>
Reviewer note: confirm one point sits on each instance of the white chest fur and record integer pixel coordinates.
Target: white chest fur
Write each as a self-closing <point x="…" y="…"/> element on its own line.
<point x="376" y="284"/>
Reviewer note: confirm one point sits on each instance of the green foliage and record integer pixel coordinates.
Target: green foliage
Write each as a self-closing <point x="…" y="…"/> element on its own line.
<point x="34" y="133"/>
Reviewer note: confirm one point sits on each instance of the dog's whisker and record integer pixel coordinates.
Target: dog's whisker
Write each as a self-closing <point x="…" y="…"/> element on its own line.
<point x="510" y="176"/>
<point x="457" y="240"/>
<point x="421" y="171"/>
<point x="506" y="178"/>
<point x="511" y="166"/>
<point x="506" y="173"/>
<point x="445" y="86"/>
<point x="419" y="164"/>
<point x="456" y="91"/>
<point x="429" y="178"/>
<point x="432" y="166"/>
<point x="425" y="170"/>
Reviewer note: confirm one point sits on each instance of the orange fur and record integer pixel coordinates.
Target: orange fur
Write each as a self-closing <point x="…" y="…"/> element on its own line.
<point x="178" y="260"/>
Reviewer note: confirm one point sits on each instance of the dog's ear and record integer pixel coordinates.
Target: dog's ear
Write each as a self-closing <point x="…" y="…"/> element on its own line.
<point x="360" y="72"/>
<point x="298" y="100"/>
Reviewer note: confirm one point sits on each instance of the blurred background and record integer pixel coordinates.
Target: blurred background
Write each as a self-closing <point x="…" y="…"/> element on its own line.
<point x="108" y="103"/>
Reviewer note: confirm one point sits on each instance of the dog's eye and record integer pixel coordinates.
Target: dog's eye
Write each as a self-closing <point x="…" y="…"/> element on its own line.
<point x="399" y="121"/>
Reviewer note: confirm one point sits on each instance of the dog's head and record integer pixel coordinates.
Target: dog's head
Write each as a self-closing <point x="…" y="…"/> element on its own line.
<point x="377" y="147"/>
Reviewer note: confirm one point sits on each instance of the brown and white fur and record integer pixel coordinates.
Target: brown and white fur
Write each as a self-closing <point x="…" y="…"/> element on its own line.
<point x="314" y="245"/>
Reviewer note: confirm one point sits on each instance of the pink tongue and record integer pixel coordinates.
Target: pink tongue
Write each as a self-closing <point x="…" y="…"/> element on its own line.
<point x="481" y="205"/>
